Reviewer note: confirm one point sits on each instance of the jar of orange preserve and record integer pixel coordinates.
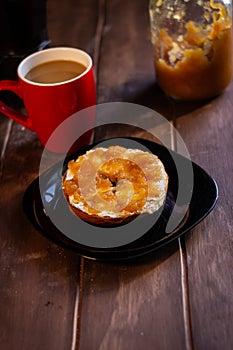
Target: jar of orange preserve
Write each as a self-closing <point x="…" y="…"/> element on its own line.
<point x="192" y="42"/>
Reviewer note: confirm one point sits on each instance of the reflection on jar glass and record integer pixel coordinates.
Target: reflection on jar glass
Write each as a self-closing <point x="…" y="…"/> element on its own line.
<point x="192" y="42"/>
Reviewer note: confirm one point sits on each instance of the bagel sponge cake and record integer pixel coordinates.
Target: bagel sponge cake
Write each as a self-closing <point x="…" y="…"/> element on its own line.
<point x="112" y="186"/>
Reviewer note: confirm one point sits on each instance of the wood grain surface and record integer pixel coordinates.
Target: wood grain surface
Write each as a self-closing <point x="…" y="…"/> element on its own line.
<point x="209" y="248"/>
<point x="179" y="297"/>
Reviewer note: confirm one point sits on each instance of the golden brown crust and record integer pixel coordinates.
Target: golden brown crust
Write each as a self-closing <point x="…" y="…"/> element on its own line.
<point x="109" y="187"/>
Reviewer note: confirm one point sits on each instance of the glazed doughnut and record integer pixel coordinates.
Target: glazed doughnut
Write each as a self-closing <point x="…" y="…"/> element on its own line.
<point x="111" y="186"/>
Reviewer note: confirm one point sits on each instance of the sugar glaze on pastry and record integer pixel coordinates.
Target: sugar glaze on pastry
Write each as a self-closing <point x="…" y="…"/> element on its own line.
<point x="115" y="184"/>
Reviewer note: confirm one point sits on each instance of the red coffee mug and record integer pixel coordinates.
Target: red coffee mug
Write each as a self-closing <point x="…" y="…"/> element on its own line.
<point x="49" y="104"/>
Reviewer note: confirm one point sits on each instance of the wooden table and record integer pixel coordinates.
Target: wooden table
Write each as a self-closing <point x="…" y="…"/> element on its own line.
<point x="182" y="297"/>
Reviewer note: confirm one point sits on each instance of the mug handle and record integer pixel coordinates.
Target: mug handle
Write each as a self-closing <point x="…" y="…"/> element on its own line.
<point x="11" y="85"/>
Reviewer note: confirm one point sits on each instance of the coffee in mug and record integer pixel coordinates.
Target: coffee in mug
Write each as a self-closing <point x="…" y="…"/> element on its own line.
<point x="55" y="71"/>
<point x="54" y="84"/>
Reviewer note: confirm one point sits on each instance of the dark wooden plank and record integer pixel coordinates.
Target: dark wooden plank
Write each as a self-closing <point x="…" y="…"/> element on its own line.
<point x="136" y="305"/>
<point x="73" y="23"/>
<point x="208" y="134"/>
<point x="38" y="279"/>
<point x="125" y="64"/>
<point x="5" y="130"/>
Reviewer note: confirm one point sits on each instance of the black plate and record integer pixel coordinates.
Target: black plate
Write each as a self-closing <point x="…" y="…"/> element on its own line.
<point x="203" y="200"/>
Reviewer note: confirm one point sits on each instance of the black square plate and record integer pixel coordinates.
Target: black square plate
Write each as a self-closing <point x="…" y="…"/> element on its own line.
<point x="203" y="200"/>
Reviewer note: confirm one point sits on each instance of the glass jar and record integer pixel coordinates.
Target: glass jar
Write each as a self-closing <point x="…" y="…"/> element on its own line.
<point x="192" y="42"/>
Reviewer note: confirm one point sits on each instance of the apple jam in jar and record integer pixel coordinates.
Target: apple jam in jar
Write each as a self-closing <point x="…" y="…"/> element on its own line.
<point x="192" y="42"/>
